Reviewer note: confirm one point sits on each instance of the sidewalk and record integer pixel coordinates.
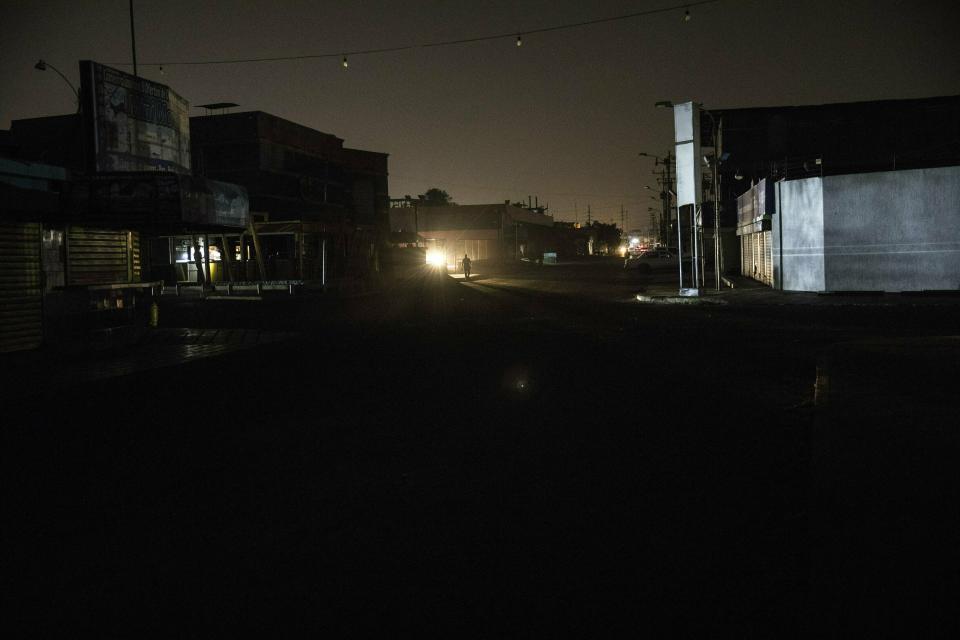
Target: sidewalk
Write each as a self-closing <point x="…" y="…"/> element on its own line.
<point x="748" y="292"/>
<point x="54" y="367"/>
<point x="192" y="328"/>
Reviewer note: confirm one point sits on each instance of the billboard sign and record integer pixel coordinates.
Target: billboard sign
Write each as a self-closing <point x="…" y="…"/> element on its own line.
<point x="132" y="124"/>
<point x="686" y="119"/>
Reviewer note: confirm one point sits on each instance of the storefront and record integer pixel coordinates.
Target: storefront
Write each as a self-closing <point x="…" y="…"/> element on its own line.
<point x="302" y="253"/>
<point x="21" y="297"/>
<point x="754" y="210"/>
<point x="92" y="280"/>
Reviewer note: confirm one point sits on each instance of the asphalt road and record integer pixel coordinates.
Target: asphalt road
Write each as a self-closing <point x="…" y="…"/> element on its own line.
<point x="522" y="456"/>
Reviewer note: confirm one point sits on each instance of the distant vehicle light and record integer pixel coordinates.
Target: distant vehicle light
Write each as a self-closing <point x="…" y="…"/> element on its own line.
<point x="436" y="258"/>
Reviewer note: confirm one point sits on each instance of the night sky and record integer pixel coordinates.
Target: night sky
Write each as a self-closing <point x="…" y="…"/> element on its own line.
<point x="562" y="117"/>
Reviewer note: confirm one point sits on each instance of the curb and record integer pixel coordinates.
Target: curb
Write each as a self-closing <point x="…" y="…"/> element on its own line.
<point x="678" y="300"/>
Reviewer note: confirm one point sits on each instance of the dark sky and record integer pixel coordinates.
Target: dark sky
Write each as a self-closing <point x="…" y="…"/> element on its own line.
<point x="562" y="117"/>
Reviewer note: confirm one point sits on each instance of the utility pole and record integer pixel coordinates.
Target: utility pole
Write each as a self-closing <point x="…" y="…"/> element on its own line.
<point x="666" y="185"/>
<point x="665" y="219"/>
<point x="717" y="153"/>
<point x="588" y="215"/>
<point x="133" y="40"/>
<point x="665" y="180"/>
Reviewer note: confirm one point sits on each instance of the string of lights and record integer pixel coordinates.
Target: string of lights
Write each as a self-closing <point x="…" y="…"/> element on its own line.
<point x="518" y="35"/>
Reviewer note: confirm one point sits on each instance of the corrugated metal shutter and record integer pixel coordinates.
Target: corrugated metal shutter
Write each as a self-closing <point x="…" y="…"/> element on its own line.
<point x="133" y="241"/>
<point x="767" y="270"/>
<point x="756" y="256"/>
<point x="21" y="315"/>
<point x="99" y="256"/>
<point x="760" y="262"/>
<point x="746" y="255"/>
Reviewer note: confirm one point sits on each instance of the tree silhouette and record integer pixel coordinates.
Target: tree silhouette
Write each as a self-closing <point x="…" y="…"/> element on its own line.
<point x="435" y="197"/>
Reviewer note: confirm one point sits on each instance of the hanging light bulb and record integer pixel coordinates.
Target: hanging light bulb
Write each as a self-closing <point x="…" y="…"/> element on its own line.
<point x="519" y="41"/>
<point x="686" y="15"/>
<point x="161" y="70"/>
<point x="345" y="64"/>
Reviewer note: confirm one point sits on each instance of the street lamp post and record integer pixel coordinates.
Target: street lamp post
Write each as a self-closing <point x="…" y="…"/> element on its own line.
<point x="717" y="129"/>
<point x="133" y="41"/>
<point x="42" y="65"/>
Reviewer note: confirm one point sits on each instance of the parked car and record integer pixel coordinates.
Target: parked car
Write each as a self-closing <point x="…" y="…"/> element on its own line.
<point x="649" y="260"/>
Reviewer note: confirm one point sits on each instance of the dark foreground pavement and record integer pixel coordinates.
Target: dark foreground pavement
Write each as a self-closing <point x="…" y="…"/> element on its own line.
<point x="467" y="461"/>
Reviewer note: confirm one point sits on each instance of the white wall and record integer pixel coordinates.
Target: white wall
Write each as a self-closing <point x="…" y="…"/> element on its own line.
<point x="885" y="231"/>
<point x="892" y="230"/>
<point x="798" y="235"/>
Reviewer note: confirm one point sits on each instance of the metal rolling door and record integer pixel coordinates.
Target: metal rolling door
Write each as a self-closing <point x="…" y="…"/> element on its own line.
<point x="767" y="254"/>
<point x="743" y="255"/>
<point x="133" y="245"/>
<point x="21" y="312"/>
<point x="759" y="257"/>
<point x="98" y="256"/>
<point x="748" y="241"/>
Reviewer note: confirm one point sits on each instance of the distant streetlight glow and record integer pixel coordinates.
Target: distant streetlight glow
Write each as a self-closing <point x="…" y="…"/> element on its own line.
<point x="436" y="258"/>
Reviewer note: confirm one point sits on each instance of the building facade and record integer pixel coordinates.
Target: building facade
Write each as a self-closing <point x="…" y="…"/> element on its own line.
<point x="86" y="196"/>
<point x="319" y="208"/>
<point x="843" y="197"/>
<point x="881" y="231"/>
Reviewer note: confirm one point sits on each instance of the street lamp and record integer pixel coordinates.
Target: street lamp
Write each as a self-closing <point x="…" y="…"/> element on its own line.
<point x="42" y="66"/>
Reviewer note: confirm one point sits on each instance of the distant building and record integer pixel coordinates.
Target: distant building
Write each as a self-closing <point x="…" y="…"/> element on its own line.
<point x="484" y="232"/>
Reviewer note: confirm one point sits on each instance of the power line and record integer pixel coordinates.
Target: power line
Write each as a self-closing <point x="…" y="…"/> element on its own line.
<point x="504" y="189"/>
<point x="442" y="43"/>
